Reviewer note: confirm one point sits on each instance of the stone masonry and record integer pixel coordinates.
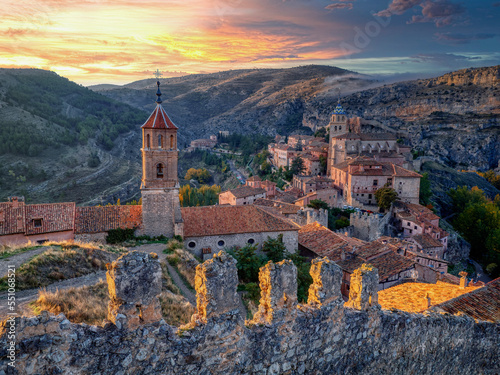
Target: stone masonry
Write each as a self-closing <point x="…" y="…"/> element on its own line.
<point x="326" y="338"/>
<point x="134" y="283"/>
<point x="363" y="293"/>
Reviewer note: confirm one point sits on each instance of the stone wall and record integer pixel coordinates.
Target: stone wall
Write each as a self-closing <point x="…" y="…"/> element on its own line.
<point x="290" y="239"/>
<point x="321" y="337"/>
<point x="368" y="227"/>
<point x="159" y="208"/>
<point x="92" y="237"/>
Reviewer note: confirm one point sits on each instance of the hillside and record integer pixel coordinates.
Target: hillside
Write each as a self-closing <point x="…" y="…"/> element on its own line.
<point x="63" y="142"/>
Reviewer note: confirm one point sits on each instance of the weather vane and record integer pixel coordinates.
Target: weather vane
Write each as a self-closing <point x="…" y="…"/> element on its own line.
<point x="157" y="74"/>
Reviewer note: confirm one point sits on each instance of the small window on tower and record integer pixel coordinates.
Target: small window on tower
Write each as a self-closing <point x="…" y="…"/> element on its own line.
<point x="159" y="171"/>
<point x="160" y="141"/>
<point x="148" y="142"/>
<point x="171" y="141"/>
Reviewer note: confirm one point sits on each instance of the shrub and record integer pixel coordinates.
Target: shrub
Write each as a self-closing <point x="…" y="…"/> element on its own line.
<point x="120" y="235"/>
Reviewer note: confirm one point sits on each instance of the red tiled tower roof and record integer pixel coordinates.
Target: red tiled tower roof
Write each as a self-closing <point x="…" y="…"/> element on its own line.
<point x="159" y="120"/>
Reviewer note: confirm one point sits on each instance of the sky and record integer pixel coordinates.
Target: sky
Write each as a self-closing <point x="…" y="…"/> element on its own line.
<point x="120" y="41"/>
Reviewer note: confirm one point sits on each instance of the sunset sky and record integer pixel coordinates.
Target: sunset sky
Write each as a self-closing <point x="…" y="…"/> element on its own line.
<point x="119" y="41"/>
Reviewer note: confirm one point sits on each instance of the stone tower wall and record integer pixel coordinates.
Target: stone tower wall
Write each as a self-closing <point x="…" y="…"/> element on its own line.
<point x="321" y="337"/>
<point x="159" y="207"/>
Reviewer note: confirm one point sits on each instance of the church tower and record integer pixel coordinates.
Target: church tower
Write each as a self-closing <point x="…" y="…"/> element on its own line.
<point x="161" y="214"/>
<point x="338" y="126"/>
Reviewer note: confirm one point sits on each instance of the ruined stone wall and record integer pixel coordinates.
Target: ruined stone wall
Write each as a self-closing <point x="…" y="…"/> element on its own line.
<point x="321" y="337"/>
<point x="366" y="227"/>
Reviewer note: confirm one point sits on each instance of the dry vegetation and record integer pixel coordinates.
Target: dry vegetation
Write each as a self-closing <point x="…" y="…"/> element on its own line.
<point x="89" y="304"/>
<point x="7" y="251"/>
<point x="59" y="263"/>
<point x="185" y="263"/>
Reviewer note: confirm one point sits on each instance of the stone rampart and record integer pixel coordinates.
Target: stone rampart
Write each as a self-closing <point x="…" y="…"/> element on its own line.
<point x="321" y="337"/>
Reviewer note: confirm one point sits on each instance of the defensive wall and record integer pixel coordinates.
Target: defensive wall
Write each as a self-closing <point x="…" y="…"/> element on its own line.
<point x="324" y="336"/>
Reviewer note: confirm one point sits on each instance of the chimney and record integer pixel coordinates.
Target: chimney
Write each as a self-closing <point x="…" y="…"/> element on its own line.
<point x="463" y="279"/>
<point x="428" y="297"/>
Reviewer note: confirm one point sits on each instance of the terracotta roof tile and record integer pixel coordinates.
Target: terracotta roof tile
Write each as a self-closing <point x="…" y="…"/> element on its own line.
<point x="55" y="217"/>
<point x="425" y="241"/>
<point x="159" y="120"/>
<point x="246" y="191"/>
<point x="482" y="303"/>
<point x="11" y="218"/>
<point x="101" y="219"/>
<point x="324" y="242"/>
<point x="221" y="220"/>
<point x="412" y="297"/>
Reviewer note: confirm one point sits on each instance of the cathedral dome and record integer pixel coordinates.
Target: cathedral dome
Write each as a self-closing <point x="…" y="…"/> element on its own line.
<point x="339" y="110"/>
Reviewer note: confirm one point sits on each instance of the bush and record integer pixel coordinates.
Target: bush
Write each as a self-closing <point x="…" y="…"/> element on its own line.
<point x="120" y="235"/>
<point x="253" y="290"/>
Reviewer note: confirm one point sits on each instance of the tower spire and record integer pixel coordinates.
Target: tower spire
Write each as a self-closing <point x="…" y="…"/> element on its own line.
<point x="158" y="93"/>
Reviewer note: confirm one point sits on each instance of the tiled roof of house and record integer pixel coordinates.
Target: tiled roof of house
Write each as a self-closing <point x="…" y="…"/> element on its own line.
<point x="287" y="197"/>
<point x="481" y="303"/>
<point x="11" y="218"/>
<point x="246" y="191"/>
<point x="377" y="137"/>
<point x="282" y="207"/>
<point x="376" y="168"/>
<point x="402" y="172"/>
<point x="55" y="217"/>
<point x="101" y="219"/>
<point x="412" y="297"/>
<point x="348" y="136"/>
<point x="373" y="249"/>
<point x="425" y="241"/>
<point x="159" y="120"/>
<point x="324" y="242"/>
<point x="390" y="264"/>
<point x="221" y="220"/>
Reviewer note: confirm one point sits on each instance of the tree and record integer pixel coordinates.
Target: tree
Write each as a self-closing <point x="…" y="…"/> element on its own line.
<point x="274" y="248"/>
<point x="425" y="189"/>
<point x="323" y="164"/>
<point x="385" y="196"/>
<point x="248" y="263"/>
<point x="463" y="197"/>
<point x="201" y="175"/>
<point x="297" y="166"/>
<point x="317" y="204"/>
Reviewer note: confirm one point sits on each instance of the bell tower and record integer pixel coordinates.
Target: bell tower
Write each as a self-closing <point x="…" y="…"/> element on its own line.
<point x="161" y="214"/>
<point x="338" y="126"/>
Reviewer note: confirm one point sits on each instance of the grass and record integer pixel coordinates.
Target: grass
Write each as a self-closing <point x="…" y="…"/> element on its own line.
<point x="89" y="304"/>
<point x="8" y="251"/>
<point x="185" y="264"/>
<point x="59" y="263"/>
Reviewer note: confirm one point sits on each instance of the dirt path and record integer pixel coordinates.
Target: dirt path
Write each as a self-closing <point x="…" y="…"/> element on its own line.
<point x="18" y="259"/>
<point x="158" y="249"/>
<point x="24" y="297"/>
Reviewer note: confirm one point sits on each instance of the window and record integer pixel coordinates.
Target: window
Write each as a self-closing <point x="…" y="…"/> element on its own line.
<point x="415" y="227"/>
<point x="159" y="171"/>
<point x="221" y="243"/>
<point x="160" y="141"/>
<point x="375" y="182"/>
<point x="369" y="196"/>
<point x="148" y="143"/>
<point x="251" y="241"/>
<point x="192" y="244"/>
<point x="408" y="224"/>
<point x="411" y="231"/>
<point x="171" y="141"/>
<point x="37" y="223"/>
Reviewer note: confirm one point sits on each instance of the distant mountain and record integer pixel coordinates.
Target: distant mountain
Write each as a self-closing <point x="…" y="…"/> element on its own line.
<point x="61" y="141"/>
<point x="267" y="101"/>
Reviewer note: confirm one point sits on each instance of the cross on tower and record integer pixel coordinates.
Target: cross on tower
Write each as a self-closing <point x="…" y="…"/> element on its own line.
<point x="157" y="74"/>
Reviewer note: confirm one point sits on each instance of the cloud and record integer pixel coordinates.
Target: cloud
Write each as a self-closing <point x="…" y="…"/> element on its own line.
<point x="339" y="6"/>
<point x="441" y="12"/>
<point x="457" y="38"/>
<point x="447" y="59"/>
<point x="398" y="7"/>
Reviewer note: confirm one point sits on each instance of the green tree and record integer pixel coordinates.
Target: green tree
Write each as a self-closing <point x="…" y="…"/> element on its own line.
<point x="248" y="263"/>
<point x="425" y="189"/>
<point x="304" y="279"/>
<point x="323" y="164"/>
<point x="274" y="248"/>
<point x="463" y="197"/>
<point x="297" y="166"/>
<point x="317" y="204"/>
<point x="385" y="196"/>
<point x="201" y="175"/>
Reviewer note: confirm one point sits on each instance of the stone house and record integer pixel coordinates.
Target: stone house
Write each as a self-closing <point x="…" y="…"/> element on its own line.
<point x="312" y="165"/>
<point x="209" y="229"/>
<point x="416" y="220"/>
<point x="241" y="196"/>
<point x="36" y="223"/>
<point x="283" y="155"/>
<point x="360" y="178"/>
<point x="268" y="186"/>
<point x="329" y="196"/>
<point x="310" y="183"/>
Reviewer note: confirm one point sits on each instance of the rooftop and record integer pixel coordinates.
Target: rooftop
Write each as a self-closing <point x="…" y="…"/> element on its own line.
<point x="246" y="191"/>
<point x="425" y="241"/>
<point x="159" y="120"/>
<point x="480" y="303"/>
<point x="221" y="220"/>
<point x="412" y="297"/>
